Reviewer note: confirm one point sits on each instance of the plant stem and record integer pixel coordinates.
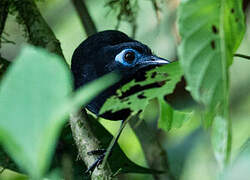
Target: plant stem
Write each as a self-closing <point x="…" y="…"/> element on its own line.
<point x="114" y="140"/>
<point x="242" y="56"/>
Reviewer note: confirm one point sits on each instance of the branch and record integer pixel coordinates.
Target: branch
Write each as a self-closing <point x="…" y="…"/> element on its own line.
<point x="86" y="142"/>
<point x="39" y="32"/>
<point x="85" y="17"/>
<point x="155" y="155"/>
<point x="4" y="9"/>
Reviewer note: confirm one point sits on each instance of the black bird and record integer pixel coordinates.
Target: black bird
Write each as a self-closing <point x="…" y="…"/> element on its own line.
<point x="109" y="51"/>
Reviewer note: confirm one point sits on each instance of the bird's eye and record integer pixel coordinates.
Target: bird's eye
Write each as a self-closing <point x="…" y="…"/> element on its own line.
<point x="129" y="56"/>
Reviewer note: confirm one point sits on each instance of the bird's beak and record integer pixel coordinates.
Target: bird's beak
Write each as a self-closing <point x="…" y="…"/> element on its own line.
<point x="152" y="61"/>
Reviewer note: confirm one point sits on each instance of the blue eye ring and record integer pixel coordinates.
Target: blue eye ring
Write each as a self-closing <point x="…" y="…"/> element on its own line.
<point x="129" y="56"/>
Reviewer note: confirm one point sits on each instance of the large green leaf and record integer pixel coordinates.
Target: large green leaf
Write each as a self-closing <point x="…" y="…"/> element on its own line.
<point x="36" y="97"/>
<point x="135" y="95"/>
<point x="211" y="31"/>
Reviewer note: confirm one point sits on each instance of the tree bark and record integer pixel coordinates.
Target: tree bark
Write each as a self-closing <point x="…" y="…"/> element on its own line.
<point x="39" y="32"/>
<point x="86" y="142"/>
<point x="4" y="9"/>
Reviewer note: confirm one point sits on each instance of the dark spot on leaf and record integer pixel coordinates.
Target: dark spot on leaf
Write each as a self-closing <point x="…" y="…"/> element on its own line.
<point x="180" y="98"/>
<point x="129" y="103"/>
<point x="215" y="30"/>
<point x="237" y="19"/>
<point x="118" y="115"/>
<point x="140" y="76"/>
<point x="138" y="88"/>
<point x="232" y="10"/>
<point x="141" y="96"/>
<point x="140" y="111"/>
<point x="213" y="44"/>
<point x="153" y="74"/>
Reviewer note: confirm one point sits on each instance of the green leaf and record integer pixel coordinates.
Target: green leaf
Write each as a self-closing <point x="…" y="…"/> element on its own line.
<point x="211" y="32"/>
<point x="36" y="98"/>
<point x="34" y="87"/>
<point x="118" y="160"/>
<point x="170" y="118"/>
<point x="136" y="94"/>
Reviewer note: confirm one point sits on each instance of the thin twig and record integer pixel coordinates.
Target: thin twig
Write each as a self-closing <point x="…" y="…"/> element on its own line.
<point x="242" y="56"/>
<point x="114" y="140"/>
<point x="87" y="22"/>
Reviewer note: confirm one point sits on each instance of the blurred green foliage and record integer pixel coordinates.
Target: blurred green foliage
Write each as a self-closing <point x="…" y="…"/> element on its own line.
<point x="41" y="100"/>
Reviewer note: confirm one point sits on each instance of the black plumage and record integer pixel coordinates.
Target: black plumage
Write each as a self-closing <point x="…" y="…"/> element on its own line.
<point x="109" y="51"/>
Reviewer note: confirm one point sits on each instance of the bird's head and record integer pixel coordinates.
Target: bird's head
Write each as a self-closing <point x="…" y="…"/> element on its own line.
<point x="109" y="51"/>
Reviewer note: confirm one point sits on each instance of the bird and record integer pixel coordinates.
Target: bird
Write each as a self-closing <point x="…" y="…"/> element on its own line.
<point x="111" y="51"/>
